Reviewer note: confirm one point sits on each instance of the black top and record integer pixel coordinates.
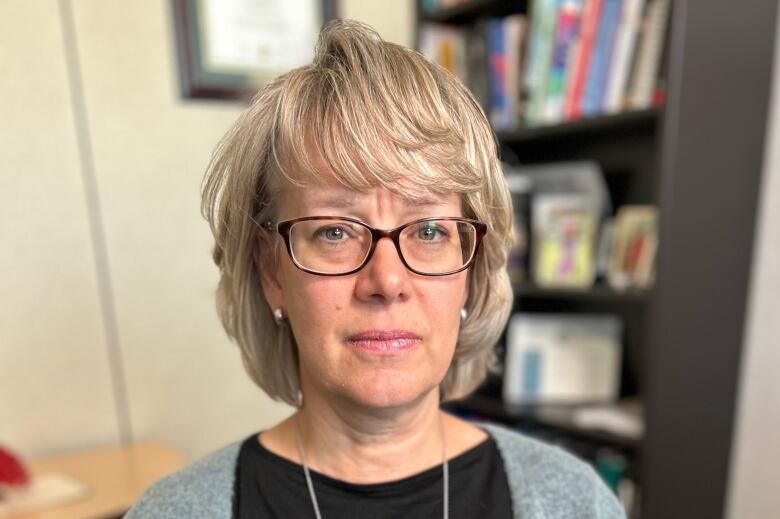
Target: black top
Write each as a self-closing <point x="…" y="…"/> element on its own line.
<point x="269" y="486"/>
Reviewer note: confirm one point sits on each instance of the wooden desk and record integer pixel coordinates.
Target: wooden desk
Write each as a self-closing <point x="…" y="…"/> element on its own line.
<point x="116" y="477"/>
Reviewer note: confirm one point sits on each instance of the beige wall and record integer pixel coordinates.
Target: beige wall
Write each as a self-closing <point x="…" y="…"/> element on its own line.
<point x="755" y="476"/>
<point x="126" y="269"/>
<point x="55" y="389"/>
<point x="393" y="19"/>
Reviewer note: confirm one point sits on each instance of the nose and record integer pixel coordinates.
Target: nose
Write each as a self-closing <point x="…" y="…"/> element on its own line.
<point x="385" y="277"/>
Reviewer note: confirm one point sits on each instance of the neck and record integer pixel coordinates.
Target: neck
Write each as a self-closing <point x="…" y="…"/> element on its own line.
<point x="369" y="446"/>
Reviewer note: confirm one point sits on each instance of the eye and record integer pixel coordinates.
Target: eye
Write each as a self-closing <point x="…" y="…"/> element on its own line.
<point x="331" y="233"/>
<point x="429" y="231"/>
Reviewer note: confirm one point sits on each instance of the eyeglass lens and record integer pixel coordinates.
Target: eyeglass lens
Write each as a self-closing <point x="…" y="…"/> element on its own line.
<point x="340" y="246"/>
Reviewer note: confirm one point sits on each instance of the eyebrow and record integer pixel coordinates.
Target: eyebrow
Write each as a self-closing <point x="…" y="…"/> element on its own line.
<point x="339" y="201"/>
<point x="425" y="200"/>
<point x="347" y="200"/>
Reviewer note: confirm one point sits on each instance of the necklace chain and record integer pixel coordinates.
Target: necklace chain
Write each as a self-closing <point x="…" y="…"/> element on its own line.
<point x="310" y="485"/>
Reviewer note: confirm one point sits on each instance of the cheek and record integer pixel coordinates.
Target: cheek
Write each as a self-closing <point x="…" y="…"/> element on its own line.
<point x="444" y="300"/>
<point x="315" y="307"/>
<point x="441" y="306"/>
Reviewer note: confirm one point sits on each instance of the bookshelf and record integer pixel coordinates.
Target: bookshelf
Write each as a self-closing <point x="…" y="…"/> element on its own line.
<point x="682" y="342"/>
<point x="598" y="292"/>
<point x="465" y="12"/>
<point x="641" y="120"/>
<point x="547" y="418"/>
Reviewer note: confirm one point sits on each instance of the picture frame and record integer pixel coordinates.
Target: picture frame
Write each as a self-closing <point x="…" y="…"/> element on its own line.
<point x="227" y="49"/>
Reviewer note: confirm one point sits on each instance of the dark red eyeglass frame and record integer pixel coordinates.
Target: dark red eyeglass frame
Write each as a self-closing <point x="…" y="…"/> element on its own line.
<point x="283" y="228"/>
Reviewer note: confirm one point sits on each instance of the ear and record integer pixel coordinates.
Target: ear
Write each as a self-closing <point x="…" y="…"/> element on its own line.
<point x="268" y="273"/>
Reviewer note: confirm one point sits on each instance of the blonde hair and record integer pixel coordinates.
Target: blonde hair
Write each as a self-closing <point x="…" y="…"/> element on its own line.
<point x="364" y="113"/>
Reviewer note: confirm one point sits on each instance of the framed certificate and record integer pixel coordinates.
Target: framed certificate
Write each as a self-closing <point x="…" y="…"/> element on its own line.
<point x="229" y="48"/>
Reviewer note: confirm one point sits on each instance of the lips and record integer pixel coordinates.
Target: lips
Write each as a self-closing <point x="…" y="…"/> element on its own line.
<point x="384" y="341"/>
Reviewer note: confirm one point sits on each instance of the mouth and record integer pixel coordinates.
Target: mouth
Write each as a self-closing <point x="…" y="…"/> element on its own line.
<point x="384" y="341"/>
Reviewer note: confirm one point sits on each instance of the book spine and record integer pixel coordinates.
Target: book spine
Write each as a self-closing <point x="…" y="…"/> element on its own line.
<point x="599" y="65"/>
<point x="532" y="46"/>
<point x="497" y="60"/>
<point x="543" y="19"/>
<point x="609" y="54"/>
<point x="589" y="24"/>
<point x="566" y="31"/>
<point x="649" y="56"/>
<point x="446" y="46"/>
<point x="624" y="48"/>
<point x="514" y="33"/>
<point x="477" y="64"/>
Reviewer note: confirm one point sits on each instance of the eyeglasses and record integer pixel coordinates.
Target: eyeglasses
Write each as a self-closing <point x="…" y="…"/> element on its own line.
<point x="338" y="245"/>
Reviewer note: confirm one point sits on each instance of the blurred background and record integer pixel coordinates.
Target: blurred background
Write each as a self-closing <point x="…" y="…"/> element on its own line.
<point x="639" y="139"/>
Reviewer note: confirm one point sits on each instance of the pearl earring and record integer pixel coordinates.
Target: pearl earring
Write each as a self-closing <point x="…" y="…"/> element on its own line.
<point x="279" y="316"/>
<point x="299" y="399"/>
<point x="463" y="314"/>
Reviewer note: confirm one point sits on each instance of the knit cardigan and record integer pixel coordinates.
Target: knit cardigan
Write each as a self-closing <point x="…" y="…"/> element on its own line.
<point x="545" y="483"/>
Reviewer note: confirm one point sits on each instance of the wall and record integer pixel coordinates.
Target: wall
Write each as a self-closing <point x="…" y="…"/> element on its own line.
<point x="756" y="453"/>
<point x="55" y="388"/>
<point x="107" y="323"/>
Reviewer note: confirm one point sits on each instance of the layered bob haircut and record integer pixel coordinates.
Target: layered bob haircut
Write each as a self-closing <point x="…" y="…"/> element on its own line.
<point x="365" y="113"/>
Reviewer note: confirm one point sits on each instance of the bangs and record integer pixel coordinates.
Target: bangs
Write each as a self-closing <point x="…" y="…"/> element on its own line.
<point x="364" y="114"/>
<point x="368" y="115"/>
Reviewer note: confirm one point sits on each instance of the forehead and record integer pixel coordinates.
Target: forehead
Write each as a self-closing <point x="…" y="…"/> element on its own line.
<point x="340" y="197"/>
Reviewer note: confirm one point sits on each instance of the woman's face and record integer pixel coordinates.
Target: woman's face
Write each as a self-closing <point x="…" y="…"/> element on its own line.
<point x="380" y="337"/>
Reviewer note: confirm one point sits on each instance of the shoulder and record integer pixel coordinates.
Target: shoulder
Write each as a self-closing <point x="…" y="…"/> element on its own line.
<point x="202" y="490"/>
<point x="546" y="481"/>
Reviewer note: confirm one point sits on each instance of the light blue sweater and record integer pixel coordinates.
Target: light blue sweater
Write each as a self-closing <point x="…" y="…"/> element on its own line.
<point x="546" y="483"/>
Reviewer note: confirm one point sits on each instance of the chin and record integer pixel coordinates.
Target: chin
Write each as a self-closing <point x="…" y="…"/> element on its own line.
<point x="389" y="391"/>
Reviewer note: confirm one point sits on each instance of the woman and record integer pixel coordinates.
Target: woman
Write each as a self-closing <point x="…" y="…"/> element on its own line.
<point x="362" y="224"/>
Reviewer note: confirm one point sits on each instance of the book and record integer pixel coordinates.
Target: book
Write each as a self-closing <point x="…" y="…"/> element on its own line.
<point x="564" y="236"/>
<point x="598" y="72"/>
<point x="497" y="77"/>
<point x="445" y="45"/>
<point x="582" y="177"/>
<point x="565" y="42"/>
<point x="648" y="56"/>
<point x="623" y="418"/>
<point x="634" y="247"/>
<point x="477" y="67"/>
<point x="562" y="359"/>
<point x="625" y="41"/>
<point x="591" y="14"/>
<point x="514" y="44"/>
<point x="539" y="55"/>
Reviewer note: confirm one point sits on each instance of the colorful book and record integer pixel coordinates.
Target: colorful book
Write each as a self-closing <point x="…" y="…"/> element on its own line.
<point x="564" y="234"/>
<point x="540" y="51"/>
<point x="498" y="64"/>
<point x="634" y="246"/>
<point x="591" y="14"/>
<point x="566" y="33"/>
<point x="596" y="84"/>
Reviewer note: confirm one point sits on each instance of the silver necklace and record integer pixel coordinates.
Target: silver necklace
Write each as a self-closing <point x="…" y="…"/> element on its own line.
<point x="444" y="467"/>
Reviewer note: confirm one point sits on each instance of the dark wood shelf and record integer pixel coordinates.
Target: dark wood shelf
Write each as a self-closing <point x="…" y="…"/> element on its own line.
<point x="684" y="164"/>
<point x="467" y="11"/>
<point x="595" y="293"/>
<point x="558" y="417"/>
<point x="590" y="126"/>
